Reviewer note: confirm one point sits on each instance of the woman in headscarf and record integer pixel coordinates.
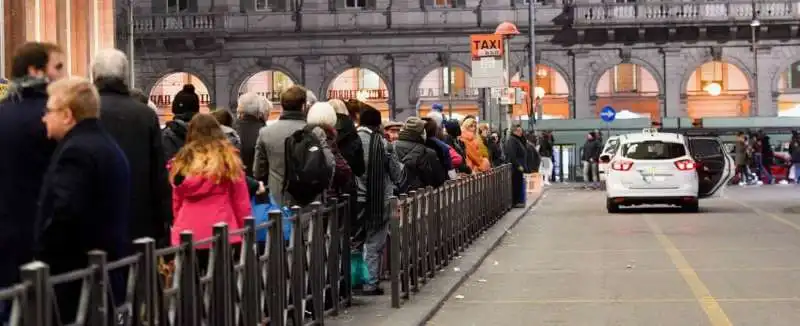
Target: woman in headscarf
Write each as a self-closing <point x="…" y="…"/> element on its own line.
<point x="477" y="160"/>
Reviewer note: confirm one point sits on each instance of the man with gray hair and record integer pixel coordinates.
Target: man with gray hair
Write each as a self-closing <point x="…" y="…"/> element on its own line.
<point x="136" y="129"/>
<point x="252" y="111"/>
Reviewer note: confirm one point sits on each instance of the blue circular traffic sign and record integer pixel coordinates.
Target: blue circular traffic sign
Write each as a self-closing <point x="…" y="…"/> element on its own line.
<point x="608" y="114"/>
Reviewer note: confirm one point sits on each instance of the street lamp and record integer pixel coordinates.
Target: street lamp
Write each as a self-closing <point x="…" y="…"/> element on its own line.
<point x="507" y="30"/>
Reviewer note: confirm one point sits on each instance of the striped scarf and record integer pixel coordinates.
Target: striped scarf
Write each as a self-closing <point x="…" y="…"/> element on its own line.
<point x="376" y="182"/>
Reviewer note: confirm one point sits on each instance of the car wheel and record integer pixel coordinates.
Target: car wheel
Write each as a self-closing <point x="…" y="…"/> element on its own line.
<point x="611" y="206"/>
<point x="692" y="207"/>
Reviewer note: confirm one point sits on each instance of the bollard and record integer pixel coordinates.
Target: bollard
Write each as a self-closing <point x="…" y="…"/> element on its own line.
<point x="145" y="309"/>
<point x="250" y="312"/>
<point x="221" y="306"/>
<point x="98" y="309"/>
<point x="38" y="308"/>
<point x="334" y="254"/>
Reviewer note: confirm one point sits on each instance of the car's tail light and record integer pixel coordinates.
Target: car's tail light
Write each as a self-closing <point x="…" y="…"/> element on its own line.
<point x="685" y="165"/>
<point x="621" y="165"/>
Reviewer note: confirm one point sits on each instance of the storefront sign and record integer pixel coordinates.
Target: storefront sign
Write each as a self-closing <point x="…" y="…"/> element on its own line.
<point x="487" y="61"/>
<point x="463" y="93"/>
<point x="346" y="94"/>
<point x="162" y="100"/>
<point x="486" y="45"/>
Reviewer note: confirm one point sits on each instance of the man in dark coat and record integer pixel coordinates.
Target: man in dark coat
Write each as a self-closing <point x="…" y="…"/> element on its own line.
<point x="85" y="199"/>
<point x="135" y="128"/>
<point x="516" y="154"/>
<point x="25" y="151"/>
<point x="421" y="162"/>
<point x="252" y="111"/>
<point x="184" y="106"/>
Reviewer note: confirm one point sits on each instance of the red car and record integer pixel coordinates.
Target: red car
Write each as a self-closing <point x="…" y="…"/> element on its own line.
<point x="780" y="168"/>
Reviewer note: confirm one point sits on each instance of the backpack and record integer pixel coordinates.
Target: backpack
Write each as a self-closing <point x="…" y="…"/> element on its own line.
<point x="307" y="173"/>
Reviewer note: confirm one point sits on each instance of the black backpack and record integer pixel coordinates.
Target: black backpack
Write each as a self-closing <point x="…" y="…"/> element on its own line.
<point x="307" y="173"/>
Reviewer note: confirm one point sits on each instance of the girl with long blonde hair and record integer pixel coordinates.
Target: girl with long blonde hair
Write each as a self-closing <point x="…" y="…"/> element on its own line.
<point x="208" y="184"/>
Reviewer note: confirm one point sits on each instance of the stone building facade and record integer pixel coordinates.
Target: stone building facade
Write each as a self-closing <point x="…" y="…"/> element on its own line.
<point x="224" y="42"/>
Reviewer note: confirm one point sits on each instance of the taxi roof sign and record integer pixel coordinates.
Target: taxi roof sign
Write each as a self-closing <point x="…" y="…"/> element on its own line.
<point x="650" y="131"/>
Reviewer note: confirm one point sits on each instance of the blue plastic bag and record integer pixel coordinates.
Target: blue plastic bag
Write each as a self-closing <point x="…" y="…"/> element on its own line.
<point x="261" y="215"/>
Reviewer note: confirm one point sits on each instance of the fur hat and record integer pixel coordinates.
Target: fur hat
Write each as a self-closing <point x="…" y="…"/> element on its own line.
<point x="186" y="101"/>
<point x="370" y="118"/>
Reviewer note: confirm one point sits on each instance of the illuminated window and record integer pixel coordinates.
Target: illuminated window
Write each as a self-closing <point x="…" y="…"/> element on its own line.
<point x="712" y="72"/>
<point x="626" y="76"/>
<point x="793" y="76"/>
<point x="368" y="79"/>
<point x="443" y="4"/>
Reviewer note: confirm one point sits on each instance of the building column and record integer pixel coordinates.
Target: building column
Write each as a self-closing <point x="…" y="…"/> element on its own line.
<point x="765" y="105"/>
<point x="673" y="63"/>
<point x="401" y="88"/>
<point x="582" y="104"/>
<point x="314" y="75"/>
<point x="222" y="83"/>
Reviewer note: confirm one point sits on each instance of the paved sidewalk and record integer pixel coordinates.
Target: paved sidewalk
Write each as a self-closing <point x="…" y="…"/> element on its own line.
<point x="377" y="311"/>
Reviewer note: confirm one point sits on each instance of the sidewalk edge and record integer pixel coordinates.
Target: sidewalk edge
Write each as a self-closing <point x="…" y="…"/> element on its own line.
<point x="465" y="276"/>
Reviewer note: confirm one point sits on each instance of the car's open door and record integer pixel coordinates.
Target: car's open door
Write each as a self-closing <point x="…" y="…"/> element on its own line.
<point x="715" y="167"/>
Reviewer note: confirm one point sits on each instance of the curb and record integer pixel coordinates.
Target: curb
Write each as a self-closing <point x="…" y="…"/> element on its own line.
<point x="435" y="308"/>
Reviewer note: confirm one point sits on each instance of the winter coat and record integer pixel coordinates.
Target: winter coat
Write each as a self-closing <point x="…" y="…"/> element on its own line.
<point x="269" y="161"/>
<point x="134" y="127"/>
<point x="248" y="127"/>
<point x="532" y="158"/>
<point x="740" y="152"/>
<point x="173" y="137"/>
<point x="516" y="153"/>
<point x="421" y="163"/>
<point x="199" y="202"/>
<point x="25" y="155"/>
<point x="475" y="160"/>
<point x="349" y="144"/>
<point x="233" y="136"/>
<point x="590" y="150"/>
<point x="394" y="175"/>
<point x="458" y="146"/>
<point x="84" y="205"/>
<point x="546" y="146"/>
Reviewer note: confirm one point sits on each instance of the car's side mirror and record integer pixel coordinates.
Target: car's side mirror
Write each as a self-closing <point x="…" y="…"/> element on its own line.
<point x="605" y="158"/>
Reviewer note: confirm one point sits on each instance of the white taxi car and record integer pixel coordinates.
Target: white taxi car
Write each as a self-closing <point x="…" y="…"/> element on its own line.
<point x="665" y="168"/>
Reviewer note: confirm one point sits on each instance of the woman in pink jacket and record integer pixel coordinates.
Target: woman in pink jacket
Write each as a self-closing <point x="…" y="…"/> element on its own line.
<point x="208" y="184"/>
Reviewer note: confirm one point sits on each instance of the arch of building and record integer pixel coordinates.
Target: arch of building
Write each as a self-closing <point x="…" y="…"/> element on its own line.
<point x="148" y="89"/>
<point x="329" y="82"/>
<point x="605" y="66"/>
<point x="426" y="70"/>
<point x="250" y="72"/>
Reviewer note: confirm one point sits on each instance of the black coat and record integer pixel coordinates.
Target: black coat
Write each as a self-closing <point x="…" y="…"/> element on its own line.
<point x="350" y="145"/>
<point x="134" y="126"/>
<point x="248" y="128"/>
<point x="25" y="155"/>
<point x="532" y="158"/>
<point x="84" y="205"/>
<point x="173" y="136"/>
<point x="421" y="164"/>
<point x="516" y="153"/>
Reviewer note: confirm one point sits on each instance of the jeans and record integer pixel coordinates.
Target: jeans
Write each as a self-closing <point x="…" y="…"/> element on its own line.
<point x="587" y="171"/>
<point x="762" y="170"/>
<point x="373" y="255"/>
<point x="546" y="168"/>
<point x="796" y="169"/>
<point x="518" y="187"/>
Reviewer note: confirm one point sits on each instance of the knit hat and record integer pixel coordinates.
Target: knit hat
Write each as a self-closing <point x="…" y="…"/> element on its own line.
<point x="413" y="129"/>
<point x="437" y="107"/>
<point x="370" y="118"/>
<point x="186" y="101"/>
<point x="437" y="117"/>
<point x="452" y="127"/>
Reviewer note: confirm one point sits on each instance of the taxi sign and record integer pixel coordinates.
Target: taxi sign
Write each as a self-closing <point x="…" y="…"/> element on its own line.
<point x="650" y="131"/>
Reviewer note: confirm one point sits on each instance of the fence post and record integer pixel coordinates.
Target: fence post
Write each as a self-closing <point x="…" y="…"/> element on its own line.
<point x="346" y="248"/>
<point x="394" y="249"/>
<point x="276" y="275"/>
<point x="147" y="283"/>
<point x="188" y="296"/>
<point x="316" y="263"/>
<point x="98" y="304"/>
<point x="39" y="301"/>
<point x="221" y="310"/>
<point x="250" y="277"/>
<point x="298" y="273"/>
<point x="334" y="254"/>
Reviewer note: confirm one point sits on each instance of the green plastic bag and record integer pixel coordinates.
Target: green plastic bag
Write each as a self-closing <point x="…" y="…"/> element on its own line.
<point x="358" y="270"/>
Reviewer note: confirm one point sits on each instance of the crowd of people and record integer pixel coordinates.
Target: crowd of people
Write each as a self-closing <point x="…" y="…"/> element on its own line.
<point x="87" y="165"/>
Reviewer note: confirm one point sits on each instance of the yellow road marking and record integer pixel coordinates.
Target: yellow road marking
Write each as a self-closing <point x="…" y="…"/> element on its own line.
<point x="715" y="314"/>
<point x="641" y="270"/>
<point x="767" y="214"/>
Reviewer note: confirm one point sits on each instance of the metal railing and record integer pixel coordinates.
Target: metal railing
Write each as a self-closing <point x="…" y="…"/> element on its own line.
<point x="274" y="282"/>
<point x="431" y="227"/>
<point x="686" y="12"/>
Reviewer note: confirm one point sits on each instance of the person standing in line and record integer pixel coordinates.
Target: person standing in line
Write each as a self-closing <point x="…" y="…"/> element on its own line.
<point x="253" y="111"/>
<point x="516" y="151"/>
<point x="85" y="198"/>
<point x="135" y="128"/>
<point x="26" y="153"/>
<point x="383" y="175"/>
<point x="184" y="106"/>
<point x="269" y="162"/>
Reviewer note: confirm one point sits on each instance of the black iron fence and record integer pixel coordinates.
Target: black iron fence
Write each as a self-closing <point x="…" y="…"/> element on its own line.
<point x="432" y="226"/>
<point x="276" y="282"/>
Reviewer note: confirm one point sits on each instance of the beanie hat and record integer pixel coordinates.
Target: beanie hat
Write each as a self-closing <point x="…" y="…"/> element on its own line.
<point x="413" y="129"/>
<point x="186" y="101"/>
<point x="437" y="117"/>
<point x="452" y="127"/>
<point x="437" y="107"/>
<point x="370" y="118"/>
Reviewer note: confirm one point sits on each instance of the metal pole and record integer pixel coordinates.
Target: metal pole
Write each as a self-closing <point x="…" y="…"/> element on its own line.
<point x="533" y="110"/>
<point x="449" y="83"/>
<point x="2" y="39"/>
<point x="753" y="26"/>
<point x="131" y="59"/>
<point x="507" y="67"/>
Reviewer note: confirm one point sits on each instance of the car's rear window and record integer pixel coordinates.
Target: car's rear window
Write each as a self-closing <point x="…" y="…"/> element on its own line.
<point x="611" y="146"/>
<point x="653" y="150"/>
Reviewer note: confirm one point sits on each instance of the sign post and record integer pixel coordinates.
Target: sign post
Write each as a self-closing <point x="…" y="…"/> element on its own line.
<point x="608" y="114"/>
<point x="487" y="64"/>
